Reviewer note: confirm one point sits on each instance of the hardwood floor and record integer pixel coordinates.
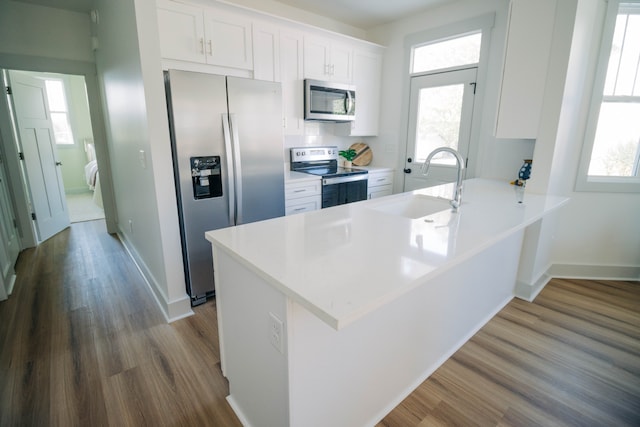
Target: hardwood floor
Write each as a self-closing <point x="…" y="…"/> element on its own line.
<point x="83" y="343"/>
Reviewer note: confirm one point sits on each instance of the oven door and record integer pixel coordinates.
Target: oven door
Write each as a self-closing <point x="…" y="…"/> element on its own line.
<point x="344" y="189"/>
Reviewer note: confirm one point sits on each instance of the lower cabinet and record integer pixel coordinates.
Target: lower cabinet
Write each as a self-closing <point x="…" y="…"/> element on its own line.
<point x="380" y="184"/>
<point x="302" y="196"/>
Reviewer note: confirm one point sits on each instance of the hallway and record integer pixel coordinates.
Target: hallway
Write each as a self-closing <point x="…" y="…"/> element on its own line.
<point x="83" y="343"/>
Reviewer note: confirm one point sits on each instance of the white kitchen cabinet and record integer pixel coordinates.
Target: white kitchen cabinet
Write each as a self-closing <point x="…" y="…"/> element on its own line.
<point x="292" y="80"/>
<point x="327" y="60"/>
<point x="367" y="76"/>
<point x="528" y="45"/>
<point x="266" y="52"/>
<point x="204" y="35"/>
<point x="380" y="184"/>
<point x="302" y="196"/>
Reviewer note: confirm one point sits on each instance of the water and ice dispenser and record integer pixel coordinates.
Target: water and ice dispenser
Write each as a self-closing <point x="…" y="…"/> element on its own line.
<point x="205" y="177"/>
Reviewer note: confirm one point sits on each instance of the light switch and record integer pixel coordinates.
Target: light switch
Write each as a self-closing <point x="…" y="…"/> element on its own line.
<point x="143" y="159"/>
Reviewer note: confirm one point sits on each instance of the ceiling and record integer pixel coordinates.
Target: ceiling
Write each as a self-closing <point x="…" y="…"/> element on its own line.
<point x="362" y="14"/>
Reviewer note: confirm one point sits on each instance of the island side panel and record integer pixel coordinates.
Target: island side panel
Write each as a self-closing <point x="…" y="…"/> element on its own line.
<point x="256" y="370"/>
<point x="356" y="375"/>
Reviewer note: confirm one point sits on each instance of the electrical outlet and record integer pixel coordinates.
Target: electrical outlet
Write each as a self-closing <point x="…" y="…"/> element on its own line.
<point x="276" y="332"/>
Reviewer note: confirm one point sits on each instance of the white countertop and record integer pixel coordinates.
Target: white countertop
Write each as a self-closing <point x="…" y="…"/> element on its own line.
<point x="292" y="177"/>
<point x="344" y="262"/>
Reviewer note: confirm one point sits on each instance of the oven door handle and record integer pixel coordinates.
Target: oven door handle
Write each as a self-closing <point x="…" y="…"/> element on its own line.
<point x="348" y="178"/>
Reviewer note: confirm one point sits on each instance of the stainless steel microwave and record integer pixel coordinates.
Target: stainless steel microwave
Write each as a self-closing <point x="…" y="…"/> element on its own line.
<point x="327" y="101"/>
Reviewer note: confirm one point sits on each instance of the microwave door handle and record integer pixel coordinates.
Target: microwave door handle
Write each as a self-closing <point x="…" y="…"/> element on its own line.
<point x="349" y="101"/>
<point x="230" y="172"/>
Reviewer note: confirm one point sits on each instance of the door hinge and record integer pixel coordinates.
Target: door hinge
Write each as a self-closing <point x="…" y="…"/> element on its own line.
<point x="8" y="90"/>
<point x="15" y="223"/>
<point x="33" y="216"/>
<point x="21" y="156"/>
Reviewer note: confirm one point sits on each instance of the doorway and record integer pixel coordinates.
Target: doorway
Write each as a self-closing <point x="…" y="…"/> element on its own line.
<point x="54" y="136"/>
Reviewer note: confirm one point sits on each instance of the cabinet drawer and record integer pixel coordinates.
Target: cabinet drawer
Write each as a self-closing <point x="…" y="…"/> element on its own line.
<point x="305" y="189"/>
<point x="304" y="204"/>
<point x="377" y="179"/>
<point x="380" y="191"/>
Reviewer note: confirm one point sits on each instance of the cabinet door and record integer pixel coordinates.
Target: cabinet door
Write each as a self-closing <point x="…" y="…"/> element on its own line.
<point x="341" y="64"/>
<point x="525" y="68"/>
<point x="291" y="77"/>
<point x="228" y="40"/>
<point x="181" y="31"/>
<point x="367" y="69"/>
<point x="266" y="52"/>
<point x="316" y="58"/>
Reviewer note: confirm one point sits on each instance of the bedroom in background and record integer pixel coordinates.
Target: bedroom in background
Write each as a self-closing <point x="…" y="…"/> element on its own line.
<point x="73" y="147"/>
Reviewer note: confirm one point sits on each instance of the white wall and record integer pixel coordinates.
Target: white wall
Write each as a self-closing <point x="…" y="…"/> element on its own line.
<point x="44" y="32"/>
<point x="128" y="62"/>
<point x="598" y="233"/>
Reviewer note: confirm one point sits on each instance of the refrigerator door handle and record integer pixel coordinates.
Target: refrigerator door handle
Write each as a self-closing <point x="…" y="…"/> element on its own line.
<point x="235" y="142"/>
<point x="230" y="174"/>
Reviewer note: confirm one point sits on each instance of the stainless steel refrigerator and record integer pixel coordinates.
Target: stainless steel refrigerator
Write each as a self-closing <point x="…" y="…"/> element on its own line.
<point x="228" y="156"/>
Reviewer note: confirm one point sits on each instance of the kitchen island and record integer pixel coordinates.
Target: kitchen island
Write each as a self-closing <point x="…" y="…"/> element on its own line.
<point x="332" y="317"/>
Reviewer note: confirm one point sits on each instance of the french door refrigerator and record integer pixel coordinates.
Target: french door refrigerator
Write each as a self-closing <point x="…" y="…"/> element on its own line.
<point x="228" y="157"/>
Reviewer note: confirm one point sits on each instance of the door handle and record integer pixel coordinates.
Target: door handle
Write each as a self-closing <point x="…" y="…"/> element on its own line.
<point x="407" y="170"/>
<point x="58" y="163"/>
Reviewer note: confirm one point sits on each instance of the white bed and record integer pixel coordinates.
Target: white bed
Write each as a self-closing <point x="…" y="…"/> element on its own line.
<point x="92" y="174"/>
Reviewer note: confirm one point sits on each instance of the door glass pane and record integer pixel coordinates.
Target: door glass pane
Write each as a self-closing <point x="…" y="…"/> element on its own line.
<point x="459" y="51"/>
<point x="438" y="122"/>
<point x="616" y="148"/>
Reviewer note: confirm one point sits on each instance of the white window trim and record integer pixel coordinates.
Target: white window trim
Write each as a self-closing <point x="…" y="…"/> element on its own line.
<point x="584" y="182"/>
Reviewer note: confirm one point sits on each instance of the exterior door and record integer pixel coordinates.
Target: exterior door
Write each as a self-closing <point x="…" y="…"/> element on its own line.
<point x="44" y="175"/>
<point x="440" y="112"/>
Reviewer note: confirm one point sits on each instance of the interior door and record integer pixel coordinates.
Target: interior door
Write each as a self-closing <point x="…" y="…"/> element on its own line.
<point x="9" y="239"/>
<point x="440" y="113"/>
<point x="44" y="175"/>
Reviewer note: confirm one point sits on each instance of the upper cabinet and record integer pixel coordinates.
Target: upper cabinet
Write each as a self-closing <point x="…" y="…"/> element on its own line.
<point x="528" y="45"/>
<point x="367" y="71"/>
<point x="191" y="33"/>
<point x="266" y="52"/>
<point x="327" y="60"/>
<point x="292" y="80"/>
<point x="222" y="39"/>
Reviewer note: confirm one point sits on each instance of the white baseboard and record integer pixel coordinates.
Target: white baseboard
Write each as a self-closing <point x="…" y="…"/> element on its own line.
<point x="529" y="291"/>
<point x="172" y="310"/>
<point x="590" y="271"/>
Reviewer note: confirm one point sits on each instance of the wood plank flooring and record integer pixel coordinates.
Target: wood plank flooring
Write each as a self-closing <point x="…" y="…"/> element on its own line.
<point x="83" y="343"/>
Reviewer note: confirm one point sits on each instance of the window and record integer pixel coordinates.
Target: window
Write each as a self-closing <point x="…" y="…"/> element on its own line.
<point x="59" y="112"/>
<point x="611" y="160"/>
<point x="454" y="52"/>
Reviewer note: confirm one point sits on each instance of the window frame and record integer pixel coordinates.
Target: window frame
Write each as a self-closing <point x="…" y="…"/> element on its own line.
<point x="67" y="112"/>
<point x="585" y="182"/>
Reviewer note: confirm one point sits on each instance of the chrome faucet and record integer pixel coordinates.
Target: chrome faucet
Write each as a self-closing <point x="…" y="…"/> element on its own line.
<point x="457" y="200"/>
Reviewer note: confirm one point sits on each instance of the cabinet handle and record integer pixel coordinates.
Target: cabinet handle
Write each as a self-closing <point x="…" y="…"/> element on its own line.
<point x="299" y="191"/>
<point x="202" y="45"/>
<point x="210" y="47"/>
<point x="333" y="69"/>
<point x="381" y="179"/>
<point x="299" y="209"/>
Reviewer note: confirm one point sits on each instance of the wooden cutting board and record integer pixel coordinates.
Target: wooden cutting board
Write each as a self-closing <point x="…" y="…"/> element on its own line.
<point x="364" y="154"/>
